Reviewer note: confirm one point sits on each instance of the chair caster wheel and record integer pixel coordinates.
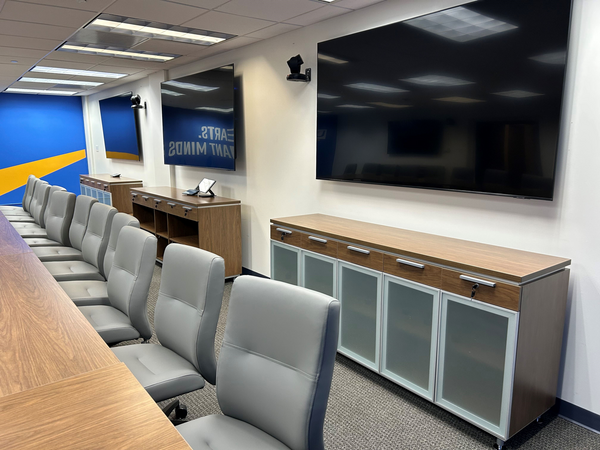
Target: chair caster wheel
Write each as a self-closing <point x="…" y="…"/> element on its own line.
<point x="181" y="412"/>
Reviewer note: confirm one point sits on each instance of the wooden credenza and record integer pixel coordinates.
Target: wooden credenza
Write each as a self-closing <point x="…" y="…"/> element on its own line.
<point x="212" y="224"/>
<point x="113" y="191"/>
<point x="475" y="328"/>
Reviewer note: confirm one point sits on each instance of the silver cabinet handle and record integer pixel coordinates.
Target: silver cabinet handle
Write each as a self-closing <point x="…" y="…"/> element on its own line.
<point x="477" y="280"/>
<point x="410" y="263"/>
<point x="281" y="230"/>
<point x="157" y="201"/>
<point x="316" y="239"/>
<point x="172" y="205"/>
<point x="134" y="195"/>
<point x="106" y="185"/>
<point x="359" y="250"/>
<point x="187" y="208"/>
<point x="145" y="197"/>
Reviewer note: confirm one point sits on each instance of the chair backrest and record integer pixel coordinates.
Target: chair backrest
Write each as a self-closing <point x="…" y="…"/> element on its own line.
<point x="81" y="215"/>
<point x="46" y="209"/>
<point x="34" y="200"/>
<point x="119" y="221"/>
<point x="97" y="233"/>
<point x="131" y="275"/>
<point x="41" y="200"/>
<point x="276" y="361"/>
<point x="60" y="215"/>
<point x="188" y="305"/>
<point x="28" y="191"/>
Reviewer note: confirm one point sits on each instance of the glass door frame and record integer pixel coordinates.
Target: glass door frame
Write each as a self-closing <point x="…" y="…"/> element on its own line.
<point x="292" y="248"/>
<point x="328" y="259"/>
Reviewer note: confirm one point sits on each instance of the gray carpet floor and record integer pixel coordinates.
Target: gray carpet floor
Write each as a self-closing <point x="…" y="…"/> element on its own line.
<point x="367" y="412"/>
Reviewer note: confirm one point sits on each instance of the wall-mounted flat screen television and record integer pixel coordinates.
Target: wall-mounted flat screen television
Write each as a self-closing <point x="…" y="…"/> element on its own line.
<point x="465" y="99"/>
<point x="119" y="128"/>
<point x="198" y="114"/>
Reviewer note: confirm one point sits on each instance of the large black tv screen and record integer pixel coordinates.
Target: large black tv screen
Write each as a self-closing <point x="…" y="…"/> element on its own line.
<point x="466" y="99"/>
<point x="119" y="128"/>
<point x="198" y="115"/>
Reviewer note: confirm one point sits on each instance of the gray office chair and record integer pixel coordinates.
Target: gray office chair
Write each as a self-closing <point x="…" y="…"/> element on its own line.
<point x="59" y="217"/>
<point x="30" y="230"/>
<point x="81" y="214"/>
<point x="185" y="320"/>
<point x="93" y="249"/>
<point x="275" y="370"/>
<point x="37" y="197"/>
<point x="128" y="284"/>
<point x="21" y="210"/>
<point x="94" y="292"/>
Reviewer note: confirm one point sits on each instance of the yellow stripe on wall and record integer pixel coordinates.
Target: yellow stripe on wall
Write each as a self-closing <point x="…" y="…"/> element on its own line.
<point x="122" y="155"/>
<point x="16" y="176"/>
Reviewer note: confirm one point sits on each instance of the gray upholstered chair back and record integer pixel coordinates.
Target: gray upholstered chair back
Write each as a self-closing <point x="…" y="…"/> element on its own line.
<point x="188" y="305"/>
<point x="276" y="361"/>
<point x="60" y="215"/>
<point x="28" y="191"/>
<point x="131" y="274"/>
<point x="83" y="206"/>
<point x="34" y="197"/>
<point x="120" y="220"/>
<point x="96" y="236"/>
<point x="46" y="210"/>
<point x="41" y="200"/>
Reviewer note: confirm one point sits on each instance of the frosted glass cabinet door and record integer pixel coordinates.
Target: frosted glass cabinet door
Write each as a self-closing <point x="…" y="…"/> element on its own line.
<point x="410" y="326"/>
<point x="477" y="350"/>
<point x="319" y="273"/>
<point x="285" y="263"/>
<point x="360" y="302"/>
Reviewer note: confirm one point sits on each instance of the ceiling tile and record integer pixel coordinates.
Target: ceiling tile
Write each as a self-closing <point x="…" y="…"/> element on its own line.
<point x="276" y="10"/>
<point x="223" y="47"/>
<point x="162" y="46"/>
<point x="155" y="10"/>
<point x="208" y="4"/>
<point x="15" y="53"/>
<point x="116" y="69"/>
<point x="48" y="15"/>
<point x="227" y="23"/>
<point x="75" y="57"/>
<point x="33" y="43"/>
<point x="273" y="30"/>
<point x="318" y="15"/>
<point x="125" y="62"/>
<point x="356" y="4"/>
<point x="88" y="5"/>
<point x="13" y="70"/>
<point x="21" y="61"/>
<point x="34" y="30"/>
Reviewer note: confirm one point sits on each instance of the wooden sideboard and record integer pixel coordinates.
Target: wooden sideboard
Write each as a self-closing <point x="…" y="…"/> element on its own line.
<point x="475" y="328"/>
<point x="114" y="191"/>
<point x="212" y="223"/>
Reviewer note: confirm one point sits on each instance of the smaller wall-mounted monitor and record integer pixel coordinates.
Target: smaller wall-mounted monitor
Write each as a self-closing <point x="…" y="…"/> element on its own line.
<point x="119" y="128"/>
<point x="198" y="116"/>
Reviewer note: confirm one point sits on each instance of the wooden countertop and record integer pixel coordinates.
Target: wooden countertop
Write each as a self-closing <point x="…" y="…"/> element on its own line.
<point x="498" y="262"/>
<point x="104" y="409"/>
<point x="106" y="178"/>
<point x="11" y="242"/>
<point x="192" y="200"/>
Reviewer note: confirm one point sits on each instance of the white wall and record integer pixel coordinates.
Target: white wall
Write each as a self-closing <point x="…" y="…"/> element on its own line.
<point x="276" y="171"/>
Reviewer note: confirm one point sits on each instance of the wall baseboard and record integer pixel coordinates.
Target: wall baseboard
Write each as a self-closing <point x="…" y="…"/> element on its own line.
<point x="246" y="271"/>
<point x="578" y="415"/>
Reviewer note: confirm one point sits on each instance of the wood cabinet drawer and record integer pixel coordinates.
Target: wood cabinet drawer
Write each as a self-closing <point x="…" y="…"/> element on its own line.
<point x="177" y="209"/>
<point x="143" y="199"/>
<point x="283" y="234"/>
<point x="502" y="294"/>
<point x="361" y="256"/>
<point x="413" y="270"/>
<point x="136" y="198"/>
<point x="324" y="246"/>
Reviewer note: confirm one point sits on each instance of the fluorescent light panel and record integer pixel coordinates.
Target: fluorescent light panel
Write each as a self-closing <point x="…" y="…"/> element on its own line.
<point x="210" y="108"/>
<point x="517" y="94"/>
<point x="460" y="24"/>
<point x="437" y="80"/>
<point x="375" y="88"/>
<point x="39" y="91"/>
<point x="173" y="93"/>
<point x="75" y="72"/>
<point x="118" y="53"/>
<point x="331" y="59"/>
<point x="190" y="86"/>
<point x="51" y="81"/>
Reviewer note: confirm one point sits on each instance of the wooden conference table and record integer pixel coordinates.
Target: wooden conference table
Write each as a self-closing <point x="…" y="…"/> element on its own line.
<point x="61" y="387"/>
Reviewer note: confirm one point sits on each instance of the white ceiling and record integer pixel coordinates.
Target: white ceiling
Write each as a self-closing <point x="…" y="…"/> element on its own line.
<point x="30" y="31"/>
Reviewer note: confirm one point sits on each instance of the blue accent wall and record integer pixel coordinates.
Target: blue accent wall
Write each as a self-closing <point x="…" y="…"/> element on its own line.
<point x="34" y="127"/>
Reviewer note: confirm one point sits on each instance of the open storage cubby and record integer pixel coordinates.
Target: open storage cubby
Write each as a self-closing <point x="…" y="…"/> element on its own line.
<point x="145" y="216"/>
<point x="160" y="221"/>
<point x="161" y="246"/>
<point x="183" y="231"/>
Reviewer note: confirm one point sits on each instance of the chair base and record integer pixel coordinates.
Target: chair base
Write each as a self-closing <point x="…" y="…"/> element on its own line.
<point x="180" y="412"/>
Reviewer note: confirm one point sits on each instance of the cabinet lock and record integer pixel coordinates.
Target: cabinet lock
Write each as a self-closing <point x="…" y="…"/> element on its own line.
<point x="475" y="286"/>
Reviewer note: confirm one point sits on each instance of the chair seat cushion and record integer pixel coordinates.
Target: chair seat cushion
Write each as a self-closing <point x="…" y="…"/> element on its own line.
<point x="5" y="209"/>
<point x="33" y="232"/>
<point x="25" y="225"/>
<point x="226" y="433"/>
<point x="86" y="292"/>
<point x="162" y="372"/>
<point x="19" y="218"/>
<point x="111" y="324"/>
<point x="41" y="242"/>
<point x="58" y="253"/>
<point x="73" y="270"/>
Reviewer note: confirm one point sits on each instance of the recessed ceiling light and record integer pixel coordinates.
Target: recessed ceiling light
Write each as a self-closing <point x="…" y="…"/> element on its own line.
<point x="327" y="96"/>
<point x="331" y="59"/>
<point x="459" y="100"/>
<point x="551" y="58"/>
<point x="209" y="108"/>
<point x="150" y="56"/>
<point x="460" y="24"/>
<point x="517" y="94"/>
<point x="190" y="86"/>
<point x="389" y="105"/>
<point x="39" y="91"/>
<point x="437" y="80"/>
<point x="355" y="106"/>
<point x="50" y="81"/>
<point x="375" y="88"/>
<point x="81" y="73"/>
<point x="173" y="93"/>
